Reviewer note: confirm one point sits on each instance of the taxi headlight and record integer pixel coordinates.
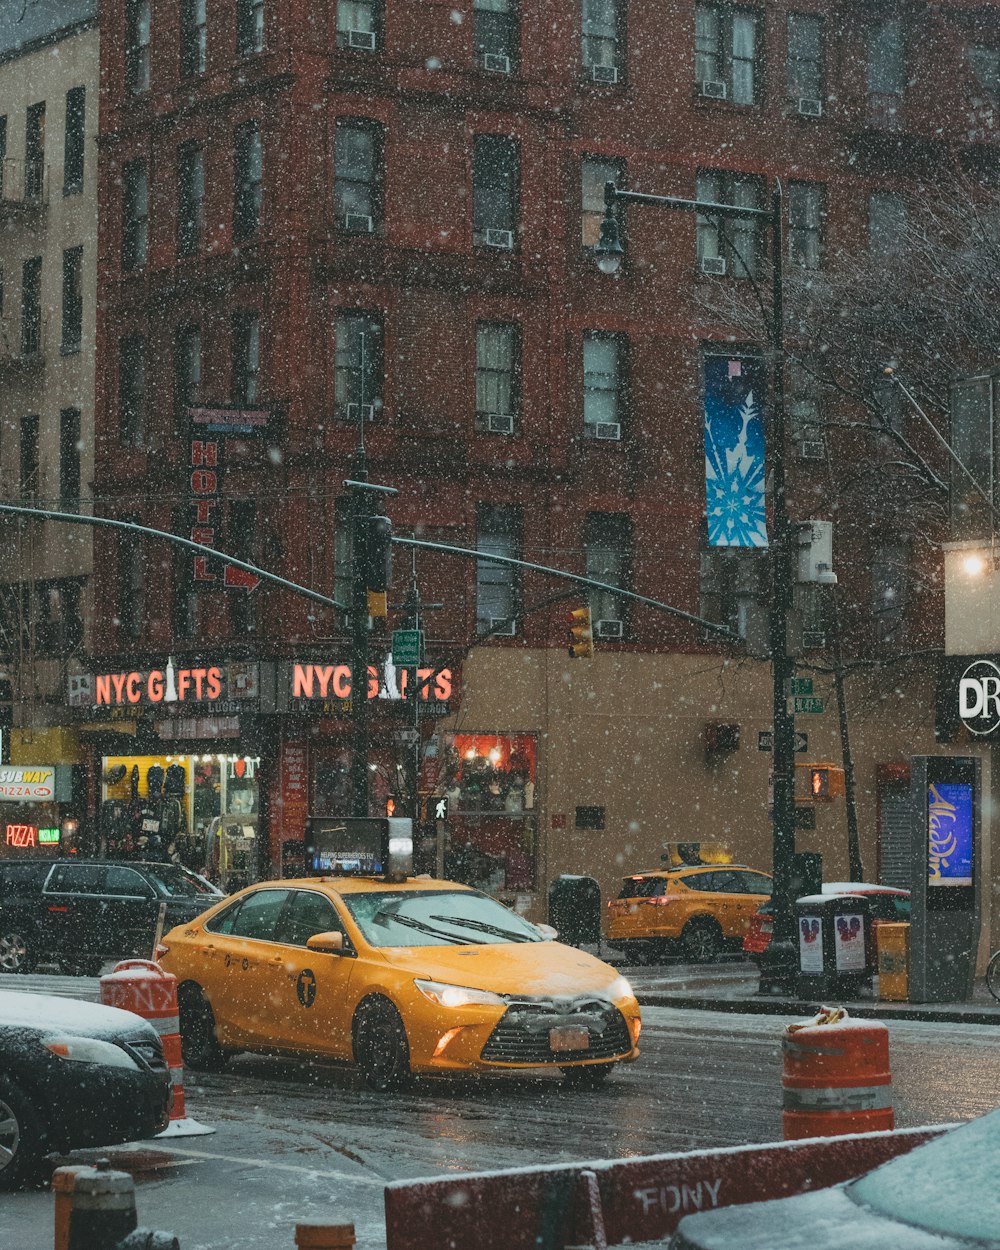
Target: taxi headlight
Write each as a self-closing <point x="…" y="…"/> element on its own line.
<point x="620" y="988"/>
<point x="89" y="1050"/>
<point x="457" y="995"/>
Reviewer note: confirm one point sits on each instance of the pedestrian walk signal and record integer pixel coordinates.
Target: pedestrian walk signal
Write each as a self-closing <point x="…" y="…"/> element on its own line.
<point x="581" y="634"/>
<point x="826" y="782"/>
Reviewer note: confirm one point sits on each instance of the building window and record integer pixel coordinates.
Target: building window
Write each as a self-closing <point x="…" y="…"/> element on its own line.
<point x="69" y="459"/>
<point x="249" y="26"/>
<point x="603" y="385"/>
<point x="804" y="67"/>
<point x="130" y="584"/>
<point x="357" y="189"/>
<point x="804" y="414"/>
<point x="497" y="377"/>
<point x="249" y="180"/>
<point x="242" y="543"/>
<point x="495" y="34"/>
<point x="603" y="44"/>
<point x="132" y="390"/>
<point x="595" y="171"/>
<point x="806" y="218"/>
<point x="887" y="221"/>
<point x="359" y="366"/>
<point x="498" y="533"/>
<point x="34" y="152"/>
<point x="985" y="64"/>
<point x="135" y="215"/>
<point x="72" y="299"/>
<point x="246" y="358"/>
<point x="886" y="73"/>
<point x="190" y="198"/>
<point x="29" y="458"/>
<point x="607" y="545"/>
<point x="74" y="140"/>
<point x="58" y="623"/>
<point x="733" y="591"/>
<point x="496" y="179"/>
<point x="725" y="49"/>
<point x="194" y="37"/>
<point x="735" y="242"/>
<point x="358" y="24"/>
<point x="889" y="592"/>
<point x="187" y="372"/>
<point x="137" y="46"/>
<point x="31" y="306"/>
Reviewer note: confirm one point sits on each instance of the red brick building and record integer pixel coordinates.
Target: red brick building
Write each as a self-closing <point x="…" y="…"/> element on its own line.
<point x="329" y="214"/>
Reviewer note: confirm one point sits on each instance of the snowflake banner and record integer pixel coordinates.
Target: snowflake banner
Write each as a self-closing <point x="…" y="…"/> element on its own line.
<point x="734" y="451"/>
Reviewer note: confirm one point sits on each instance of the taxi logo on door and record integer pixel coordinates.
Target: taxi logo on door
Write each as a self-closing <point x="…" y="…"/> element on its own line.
<point x="305" y="987"/>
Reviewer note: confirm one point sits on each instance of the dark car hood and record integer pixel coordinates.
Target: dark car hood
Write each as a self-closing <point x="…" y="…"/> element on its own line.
<point x="826" y="1220"/>
<point x="45" y="1013"/>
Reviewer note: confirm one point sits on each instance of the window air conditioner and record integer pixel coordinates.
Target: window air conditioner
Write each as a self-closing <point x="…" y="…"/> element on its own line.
<point x="609" y="430"/>
<point x="500" y="423"/>
<point x="811" y="108"/>
<point x="711" y="89"/>
<point x="812" y="449"/>
<point x="813" y="640"/>
<point x="505" y="625"/>
<point x="361" y="39"/>
<point x="715" y="265"/>
<point x="358" y="223"/>
<point x="357" y="411"/>
<point x="496" y="63"/>
<point x="604" y="73"/>
<point x="503" y="239"/>
<point x="610" y="629"/>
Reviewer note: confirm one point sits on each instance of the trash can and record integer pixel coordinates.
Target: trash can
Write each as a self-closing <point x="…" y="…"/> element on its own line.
<point x="833" y="931"/>
<point x="575" y="909"/>
<point x="893" y="961"/>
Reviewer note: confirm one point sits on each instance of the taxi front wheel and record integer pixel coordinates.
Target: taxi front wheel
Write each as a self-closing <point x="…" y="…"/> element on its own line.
<point x="199" y="1048"/>
<point x="380" y="1046"/>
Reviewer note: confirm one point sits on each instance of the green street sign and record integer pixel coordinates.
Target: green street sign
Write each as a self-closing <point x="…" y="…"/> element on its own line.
<point x="806" y="705"/>
<point x="407" y="647"/>
<point x="799" y="685"/>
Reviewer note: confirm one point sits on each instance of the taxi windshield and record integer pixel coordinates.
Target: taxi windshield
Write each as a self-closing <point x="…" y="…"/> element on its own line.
<point x="436" y="918"/>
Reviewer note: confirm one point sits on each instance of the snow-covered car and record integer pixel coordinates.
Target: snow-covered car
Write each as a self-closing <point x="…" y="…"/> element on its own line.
<point x="940" y="1196"/>
<point x="74" y="1074"/>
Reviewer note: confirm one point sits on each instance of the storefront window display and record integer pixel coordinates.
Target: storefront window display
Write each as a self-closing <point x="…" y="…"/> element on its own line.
<point x="197" y="810"/>
<point x="489" y="781"/>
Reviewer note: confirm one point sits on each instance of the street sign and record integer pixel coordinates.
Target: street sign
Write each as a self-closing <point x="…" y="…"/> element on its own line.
<point x="441" y="809"/>
<point x="408" y="735"/>
<point x="765" y="741"/>
<point x="807" y="705"/>
<point x="407" y="647"/>
<point x="799" y="685"/>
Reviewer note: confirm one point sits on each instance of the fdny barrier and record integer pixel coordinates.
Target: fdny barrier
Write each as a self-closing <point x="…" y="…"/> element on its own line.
<point x="144" y="988"/>
<point x="605" y="1203"/>
<point x="95" y="1210"/>
<point x="836" y="1076"/>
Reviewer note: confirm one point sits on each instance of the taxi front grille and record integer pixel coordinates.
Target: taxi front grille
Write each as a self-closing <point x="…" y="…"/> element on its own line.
<point x="522" y="1036"/>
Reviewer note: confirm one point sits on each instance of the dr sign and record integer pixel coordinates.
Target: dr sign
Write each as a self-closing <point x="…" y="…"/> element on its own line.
<point x="979" y="697"/>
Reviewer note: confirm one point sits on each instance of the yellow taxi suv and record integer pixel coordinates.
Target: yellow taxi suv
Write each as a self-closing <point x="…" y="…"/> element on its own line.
<point x="694" y="911"/>
<point x="398" y="976"/>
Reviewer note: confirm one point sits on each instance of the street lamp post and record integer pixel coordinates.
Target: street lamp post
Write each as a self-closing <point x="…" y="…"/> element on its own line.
<point x="778" y="968"/>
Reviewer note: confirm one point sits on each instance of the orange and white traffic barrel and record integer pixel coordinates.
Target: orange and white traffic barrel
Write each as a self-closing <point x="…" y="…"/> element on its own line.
<point x="144" y="988"/>
<point x="836" y="1076"/>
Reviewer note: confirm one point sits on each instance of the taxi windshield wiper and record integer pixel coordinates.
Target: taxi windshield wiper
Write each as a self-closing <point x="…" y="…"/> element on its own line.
<point x="483" y="927"/>
<point x="425" y="928"/>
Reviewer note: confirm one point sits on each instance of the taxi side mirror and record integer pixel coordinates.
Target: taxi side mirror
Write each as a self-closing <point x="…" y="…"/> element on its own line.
<point x="329" y="943"/>
<point x="547" y="932"/>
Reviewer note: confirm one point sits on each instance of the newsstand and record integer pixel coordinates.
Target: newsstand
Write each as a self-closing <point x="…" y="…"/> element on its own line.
<point x="832" y="932"/>
<point x="575" y="909"/>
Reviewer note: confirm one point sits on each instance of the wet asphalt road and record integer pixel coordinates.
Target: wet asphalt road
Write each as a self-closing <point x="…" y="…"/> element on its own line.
<point x="307" y="1141"/>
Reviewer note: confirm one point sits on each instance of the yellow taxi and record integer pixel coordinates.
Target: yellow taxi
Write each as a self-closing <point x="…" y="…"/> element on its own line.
<point x="695" y="910"/>
<point x="400" y="977"/>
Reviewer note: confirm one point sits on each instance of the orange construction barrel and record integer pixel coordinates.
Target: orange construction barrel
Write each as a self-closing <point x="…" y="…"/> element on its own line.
<point x="836" y="1076"/>
<point x="893" y="945"/>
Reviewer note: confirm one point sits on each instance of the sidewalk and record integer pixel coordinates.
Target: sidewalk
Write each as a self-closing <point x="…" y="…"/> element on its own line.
<point x="733" y="986"/>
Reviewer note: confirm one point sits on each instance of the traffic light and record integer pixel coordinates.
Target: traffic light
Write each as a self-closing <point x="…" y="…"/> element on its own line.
<point x="826" y="782"/>
<point x="377" y="562"/>
<point x="819" y="783"/>
<point x="581" y="634"/>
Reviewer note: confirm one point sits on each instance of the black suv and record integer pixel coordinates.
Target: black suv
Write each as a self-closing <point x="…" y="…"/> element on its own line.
<point x="79" y="913"/>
